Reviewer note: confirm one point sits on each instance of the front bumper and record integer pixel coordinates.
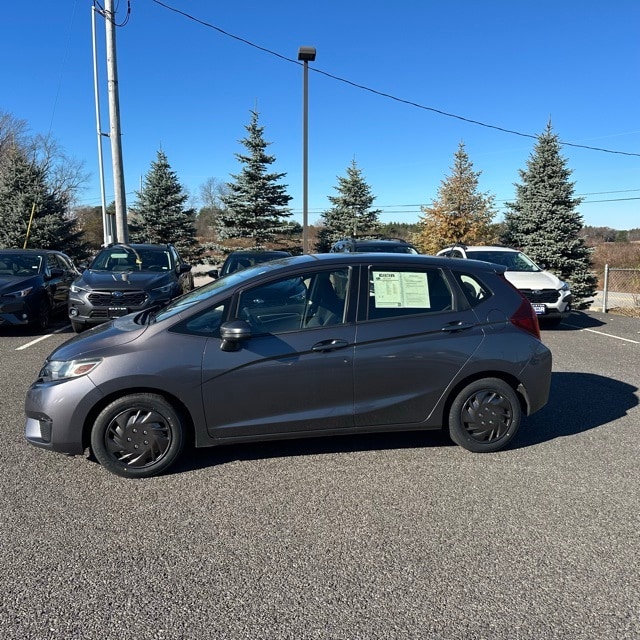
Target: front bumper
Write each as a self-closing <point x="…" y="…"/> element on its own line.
<point x="550" y="304"/>
<point x="80" y="309"/>
<point x="15" y="312"/>
<point x="56" y="414"/>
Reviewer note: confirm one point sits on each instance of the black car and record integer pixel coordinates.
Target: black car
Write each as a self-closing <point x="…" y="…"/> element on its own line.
<point x="34" y="283"/>
<point x="127" y="278"/>
<point x="356" y="245"/>
<point x="242" y="259"/>
<point x="363" y="343"/>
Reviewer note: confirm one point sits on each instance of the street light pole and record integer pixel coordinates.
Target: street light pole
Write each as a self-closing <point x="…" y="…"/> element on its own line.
<point x="306" y="55"/>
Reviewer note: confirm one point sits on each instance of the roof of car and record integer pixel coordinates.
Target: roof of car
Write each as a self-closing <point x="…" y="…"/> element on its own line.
<point x="259" y="252"/>
<point x="373" y="241"/>
<point x="491" y="248"/>
<point x="141" y="245"/>
<point x="483" y="247"/>
<point x="15" y="250"/>
<point x="349" y="258"/>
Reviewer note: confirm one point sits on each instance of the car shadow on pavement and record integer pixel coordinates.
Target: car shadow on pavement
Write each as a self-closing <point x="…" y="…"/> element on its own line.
<point x="193" y="459"/>
<point x="576" y="321"/>
<point x="578" y="402"/>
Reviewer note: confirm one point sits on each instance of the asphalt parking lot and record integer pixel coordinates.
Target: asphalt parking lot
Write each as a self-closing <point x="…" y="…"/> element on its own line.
<point x="383" y="536"/>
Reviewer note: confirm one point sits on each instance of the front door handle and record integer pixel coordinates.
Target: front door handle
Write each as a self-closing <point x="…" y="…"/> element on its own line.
<point x="330" y="345"/>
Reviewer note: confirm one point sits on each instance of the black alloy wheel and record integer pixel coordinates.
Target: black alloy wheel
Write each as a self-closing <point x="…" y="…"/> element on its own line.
<point x="485" y="416"/>
<point x="137" y="436"/>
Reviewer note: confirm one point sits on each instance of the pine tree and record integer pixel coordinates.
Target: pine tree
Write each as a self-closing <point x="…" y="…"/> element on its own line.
<point x="256" y="204"/>
<point x="543" y="221"/>
<point x="24" y="189"/>
<point x="159" y="215"/>
<point x="460" y="213"/>
<point x="351" y="214"/>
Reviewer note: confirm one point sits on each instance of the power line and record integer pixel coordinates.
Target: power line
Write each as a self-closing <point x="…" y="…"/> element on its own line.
<point x="381" y="93"/>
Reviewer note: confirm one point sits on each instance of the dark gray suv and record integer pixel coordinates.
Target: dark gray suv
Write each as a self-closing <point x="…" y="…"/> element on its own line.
<point x="125" y="278"/>
<point x="382" y="245"/>
<point x="306" y="346"/>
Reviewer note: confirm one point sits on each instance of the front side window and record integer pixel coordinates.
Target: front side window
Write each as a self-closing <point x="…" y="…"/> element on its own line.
<point x="206" y="323"/>
<point x="306" y="301"/>
<point x="394" y="292"/>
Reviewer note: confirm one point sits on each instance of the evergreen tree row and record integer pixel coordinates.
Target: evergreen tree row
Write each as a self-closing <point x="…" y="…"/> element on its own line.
<point x="251" y="211"/>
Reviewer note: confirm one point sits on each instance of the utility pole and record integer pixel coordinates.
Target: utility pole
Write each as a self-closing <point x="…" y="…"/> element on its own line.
<point x="108" y="221"/>
<point x="122" y="231"/>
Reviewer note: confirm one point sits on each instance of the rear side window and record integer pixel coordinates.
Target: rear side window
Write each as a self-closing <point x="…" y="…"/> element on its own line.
<point x="474" y="291"/>
<point x="394" y="293"/>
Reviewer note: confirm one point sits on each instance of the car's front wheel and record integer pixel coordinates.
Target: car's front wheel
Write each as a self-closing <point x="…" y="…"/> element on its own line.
<point x="43" y="317"/>
<point x="137" y="436"/>
<point x="77" y="326"/>
<point x="485" y="415"/>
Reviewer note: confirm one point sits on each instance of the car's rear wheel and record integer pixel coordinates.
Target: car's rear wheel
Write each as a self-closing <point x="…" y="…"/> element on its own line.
<point x="485" y="415"/>
<point x="137" y="436"/>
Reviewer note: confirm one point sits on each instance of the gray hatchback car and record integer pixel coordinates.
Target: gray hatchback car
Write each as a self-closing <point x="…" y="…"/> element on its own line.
<point x="305" y="346"/>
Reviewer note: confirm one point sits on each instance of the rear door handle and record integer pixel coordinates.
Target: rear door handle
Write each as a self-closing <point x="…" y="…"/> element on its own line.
<point x="330" y="345"/>
<point x="460" y="325"/>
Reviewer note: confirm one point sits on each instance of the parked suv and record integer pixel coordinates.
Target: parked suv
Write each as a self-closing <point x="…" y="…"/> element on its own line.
<point x="550" y="297"/>
<point x="125" y="278"/>
<point x="373" y="246"/>
<point x="241" y="259"/>
<point x="362" y="343"/>
<point x="34" y="283"/>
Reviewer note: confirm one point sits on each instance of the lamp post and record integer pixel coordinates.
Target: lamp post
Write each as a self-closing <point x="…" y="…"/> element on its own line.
<point x="306" y="55"/>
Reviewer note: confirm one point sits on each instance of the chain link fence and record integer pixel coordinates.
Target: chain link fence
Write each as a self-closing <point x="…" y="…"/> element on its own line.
<point x="621" y="291"/>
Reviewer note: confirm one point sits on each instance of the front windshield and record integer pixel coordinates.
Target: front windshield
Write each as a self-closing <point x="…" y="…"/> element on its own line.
<point x="132" y="259"/>
<point x="19" y="264"/>
<point x="513" y="260"/>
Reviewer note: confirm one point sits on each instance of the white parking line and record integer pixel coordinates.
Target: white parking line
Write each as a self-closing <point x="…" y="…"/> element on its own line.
<point x="602" y="333"/>
<point x="41" y="338"/>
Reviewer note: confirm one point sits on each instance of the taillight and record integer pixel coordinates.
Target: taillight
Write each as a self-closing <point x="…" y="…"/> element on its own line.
<point x="525" y="318"/>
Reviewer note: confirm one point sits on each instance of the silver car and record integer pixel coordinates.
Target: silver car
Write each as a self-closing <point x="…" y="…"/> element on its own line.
<point x="305" y="346"/>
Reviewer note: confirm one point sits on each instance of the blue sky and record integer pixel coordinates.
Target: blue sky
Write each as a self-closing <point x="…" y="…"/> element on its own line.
<point x="189" y="89"/>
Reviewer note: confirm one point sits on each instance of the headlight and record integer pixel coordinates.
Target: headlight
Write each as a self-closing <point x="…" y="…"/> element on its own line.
<point x="564" y="287"/>
<point x="77" y="289"/>
<point x="165" y="289"/>
<point x="65" y="369"/>
<point x="21" y="293"/>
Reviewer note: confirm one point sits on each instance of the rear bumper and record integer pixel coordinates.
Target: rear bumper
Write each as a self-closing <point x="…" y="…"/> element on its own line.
<point x="535" y="379"/>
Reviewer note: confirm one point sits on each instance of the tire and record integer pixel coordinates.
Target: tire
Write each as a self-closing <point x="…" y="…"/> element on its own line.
<point x="485" y="416"/>
<point x="137" y="436"/>
<point x="43" y="318"/>
<point x="78" y="327"/>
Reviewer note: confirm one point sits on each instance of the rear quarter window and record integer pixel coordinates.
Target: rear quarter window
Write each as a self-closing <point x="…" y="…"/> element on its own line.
<point x="474" y="290"/>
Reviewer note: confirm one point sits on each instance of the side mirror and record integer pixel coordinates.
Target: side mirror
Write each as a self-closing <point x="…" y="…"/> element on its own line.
<point x="56" y="272"/>
<point x="233" y="333"/>
<point x="183" y="267"/>
<point x="214" y="273"/>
